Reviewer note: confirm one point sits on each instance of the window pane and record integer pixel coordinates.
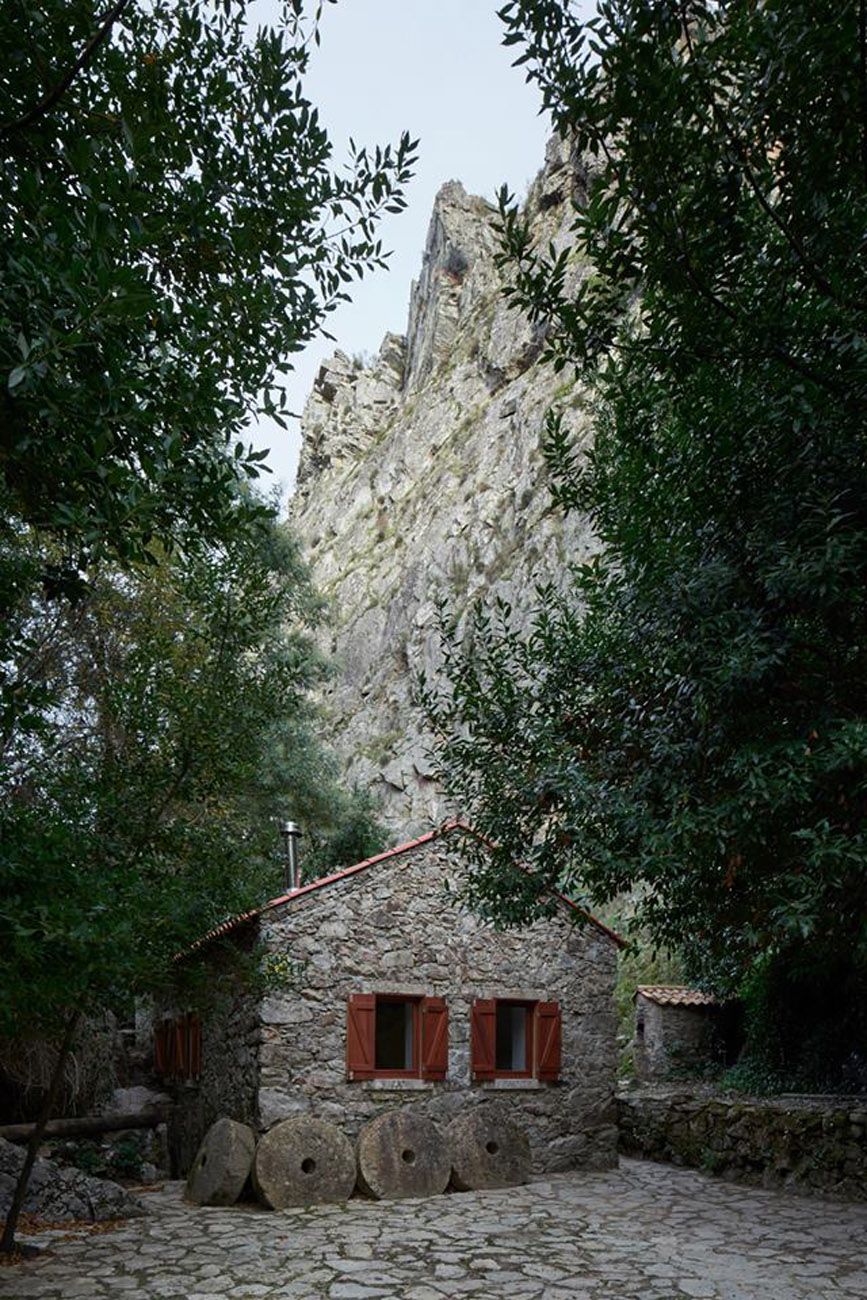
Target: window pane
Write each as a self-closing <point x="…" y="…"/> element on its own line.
<point x="511" y="1036"/>
<point x="393" y="1035"/>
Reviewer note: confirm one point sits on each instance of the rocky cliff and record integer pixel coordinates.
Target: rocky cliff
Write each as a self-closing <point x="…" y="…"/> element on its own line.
<point x="421" y="475"/>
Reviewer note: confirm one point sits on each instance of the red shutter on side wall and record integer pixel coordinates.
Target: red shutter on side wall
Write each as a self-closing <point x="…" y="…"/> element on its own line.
<point x="548" y="1036"/>
<point x="360" y="1036"/>
<point x="483" y="1038"/>
<point x="195" y="1046"/>
<point x="434" y="1038"/>
<point x="160" y="1054"/>
<point x="181" y="1048"/>
<point x="171" y="1046"/>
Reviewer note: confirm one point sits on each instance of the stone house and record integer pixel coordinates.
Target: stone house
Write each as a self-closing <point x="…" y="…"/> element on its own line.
<point x="681" y="1032"/>
<point x="407" y="999"/>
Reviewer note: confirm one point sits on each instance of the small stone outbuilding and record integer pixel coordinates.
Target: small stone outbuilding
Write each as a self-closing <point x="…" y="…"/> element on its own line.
<point x="681" y="1032"/>
<point x="405" y="998"/>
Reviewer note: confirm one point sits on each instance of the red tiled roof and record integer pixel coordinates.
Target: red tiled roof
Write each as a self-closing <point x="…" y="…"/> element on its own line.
<point x="235" y="922"/>
<point x="671" y="995"/>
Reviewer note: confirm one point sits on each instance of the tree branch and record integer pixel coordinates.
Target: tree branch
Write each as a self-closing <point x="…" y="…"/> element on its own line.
<point x="48" y="101"/>
<point x="741" y="155"/>
<point x="862" y="70"/>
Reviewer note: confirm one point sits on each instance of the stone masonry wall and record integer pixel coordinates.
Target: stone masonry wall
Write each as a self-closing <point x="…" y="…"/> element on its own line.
<point x="812" y="1145"/>
<point x="391" y="929"/>
<point x="675" y="1039"/>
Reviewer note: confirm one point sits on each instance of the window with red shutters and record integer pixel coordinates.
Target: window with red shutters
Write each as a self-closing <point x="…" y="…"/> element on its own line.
<point x="511" y="1039"/>
<point x="514" y="1043"/>
<point x="483" y="1038"/>
<point x="394" y="1036"/>
<point x="181" y="1045"/>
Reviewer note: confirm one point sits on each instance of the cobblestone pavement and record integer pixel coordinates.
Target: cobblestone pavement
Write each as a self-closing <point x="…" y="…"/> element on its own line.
<point x="643" y="1232"/>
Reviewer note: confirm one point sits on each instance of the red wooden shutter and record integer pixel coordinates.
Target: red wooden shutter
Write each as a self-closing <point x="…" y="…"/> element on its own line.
<point x="548" y="1035"/>
<point x="434" y="1038"/>
<point x="171" y="1049"/>
<point x="195" y="1047"/>
<point x="160" y="1054"/>
<point x="483" y="1038"/>
<point x="360" y="1060"/>
<point x="181" y="1047"/>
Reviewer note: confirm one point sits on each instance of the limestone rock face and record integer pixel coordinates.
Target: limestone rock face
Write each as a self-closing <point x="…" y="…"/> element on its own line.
<point x="57" y="1194"/>
<point x="421" y="476"/>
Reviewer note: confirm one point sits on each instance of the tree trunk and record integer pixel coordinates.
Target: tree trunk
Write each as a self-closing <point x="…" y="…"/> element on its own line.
<point x="7" y="1243"/>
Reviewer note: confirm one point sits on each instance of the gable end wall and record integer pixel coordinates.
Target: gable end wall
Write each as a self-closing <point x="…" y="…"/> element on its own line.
<point x="391" y="929"/>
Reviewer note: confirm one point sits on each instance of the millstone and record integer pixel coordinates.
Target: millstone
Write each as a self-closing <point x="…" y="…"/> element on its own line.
<point x="222" y="1164"/>
<point x="488" y="1150"/>
<point x="402" y="1153"/>
<point x="303" y="1161"/>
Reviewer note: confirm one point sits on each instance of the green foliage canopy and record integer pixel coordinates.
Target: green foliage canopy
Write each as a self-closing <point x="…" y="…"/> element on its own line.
<point x="138" y="809"/>
<point x="171" y="231"/>
<point x="687" y="721"/>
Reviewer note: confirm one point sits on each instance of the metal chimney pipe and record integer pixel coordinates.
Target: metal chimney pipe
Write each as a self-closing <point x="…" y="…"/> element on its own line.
<point x="291" y="833"/>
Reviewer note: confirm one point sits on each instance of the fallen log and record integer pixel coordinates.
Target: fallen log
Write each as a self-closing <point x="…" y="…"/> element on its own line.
<point x="88" y="1125"/>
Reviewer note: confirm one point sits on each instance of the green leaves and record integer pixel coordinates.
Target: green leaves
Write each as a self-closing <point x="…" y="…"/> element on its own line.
<point x="168" y="243"/>
<point x="149" y="814"/>
<point x="172" y="229"/>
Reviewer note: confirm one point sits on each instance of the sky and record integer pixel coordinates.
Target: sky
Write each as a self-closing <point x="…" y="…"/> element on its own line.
<point x="436" y="68"/>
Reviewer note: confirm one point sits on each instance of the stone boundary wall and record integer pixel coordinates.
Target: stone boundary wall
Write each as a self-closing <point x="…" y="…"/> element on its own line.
<point x="809" y="1145"/>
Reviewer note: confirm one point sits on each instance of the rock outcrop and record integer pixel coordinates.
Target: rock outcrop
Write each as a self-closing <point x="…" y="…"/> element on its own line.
<point x="57" y="1194"/>
<point x="421" y="476"/>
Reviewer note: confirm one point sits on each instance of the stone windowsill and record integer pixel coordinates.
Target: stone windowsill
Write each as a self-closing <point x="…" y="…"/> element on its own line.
<point x="397" y="1085"/>
<point x="512" y="1085"/>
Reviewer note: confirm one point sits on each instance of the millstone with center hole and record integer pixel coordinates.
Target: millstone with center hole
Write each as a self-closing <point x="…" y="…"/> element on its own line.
<point x="303" y="1161"/>
<point x="402" y="1153"/>
<point x="222" y="1164"/>
<point x="488" y="1150"/>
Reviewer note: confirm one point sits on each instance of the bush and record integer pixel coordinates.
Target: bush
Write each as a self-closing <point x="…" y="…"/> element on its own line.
<point x="122" y="1157"/>
<point x="792" y="1043"/>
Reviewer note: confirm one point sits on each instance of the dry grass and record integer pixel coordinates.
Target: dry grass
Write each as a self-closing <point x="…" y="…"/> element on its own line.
<point x="29" y="1225"/>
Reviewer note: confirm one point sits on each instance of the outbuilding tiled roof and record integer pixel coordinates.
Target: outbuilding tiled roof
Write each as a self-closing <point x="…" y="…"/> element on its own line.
<point x="236" y="922"/>
<point x="677" y="995"/>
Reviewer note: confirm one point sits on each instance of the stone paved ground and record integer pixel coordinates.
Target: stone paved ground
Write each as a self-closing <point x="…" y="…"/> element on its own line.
<point x="643" y="1232"/>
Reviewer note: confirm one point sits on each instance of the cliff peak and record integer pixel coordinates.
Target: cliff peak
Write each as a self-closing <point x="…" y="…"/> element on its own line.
<point x="422" y="476"/>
